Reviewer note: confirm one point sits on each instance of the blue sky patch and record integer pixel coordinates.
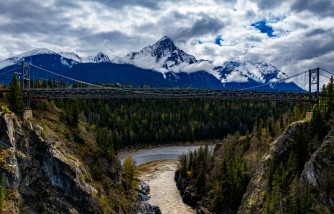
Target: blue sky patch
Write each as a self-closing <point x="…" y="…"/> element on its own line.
<point x="264" y="28"/>
<point x="219" y="40"/>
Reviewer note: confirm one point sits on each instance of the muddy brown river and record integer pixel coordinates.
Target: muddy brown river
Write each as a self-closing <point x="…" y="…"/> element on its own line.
<point x="159" y="175"/>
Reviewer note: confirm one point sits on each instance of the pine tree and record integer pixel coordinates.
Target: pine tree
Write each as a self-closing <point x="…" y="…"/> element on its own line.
<point x="75" y="114"/>
<point x="330" y="94"/>
<point x="15" y="96"/>
<point x="129" y="174"/>
<point x="2" y="191"/>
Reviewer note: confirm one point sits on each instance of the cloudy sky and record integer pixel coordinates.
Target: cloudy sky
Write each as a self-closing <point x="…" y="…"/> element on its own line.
<point x="291" y="34"/>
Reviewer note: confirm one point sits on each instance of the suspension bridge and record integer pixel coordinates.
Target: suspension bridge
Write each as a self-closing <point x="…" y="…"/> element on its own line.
<point x="40" y="83"/>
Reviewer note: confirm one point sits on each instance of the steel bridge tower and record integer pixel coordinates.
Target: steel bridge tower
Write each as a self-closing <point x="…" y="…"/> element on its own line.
<point x="25" y="80"/>
<point x="25" y="85"/>
<point x="314" y="80"/>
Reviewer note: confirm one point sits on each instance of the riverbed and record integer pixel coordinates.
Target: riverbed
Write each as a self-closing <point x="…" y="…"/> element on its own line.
<point x="159" y="175"/>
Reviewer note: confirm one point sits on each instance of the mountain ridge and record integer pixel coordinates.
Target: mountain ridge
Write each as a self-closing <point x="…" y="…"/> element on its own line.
<point x="178" y="68"/>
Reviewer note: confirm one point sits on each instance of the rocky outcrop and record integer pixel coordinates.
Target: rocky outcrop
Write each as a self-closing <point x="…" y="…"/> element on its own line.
<point x="188" y="191"/>
<point x="319" y="173"/>
<point x="40" y="176"/>
<point x="143" y="196"/>
<point x="253" y="199"/>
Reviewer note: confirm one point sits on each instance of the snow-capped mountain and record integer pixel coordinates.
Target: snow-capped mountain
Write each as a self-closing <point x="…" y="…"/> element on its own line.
<point x="164" y="56"/>
<point x="15" y="59"/>
<point x="162" y="64"/>
<point x="161" y="56"/>
<point x="101" y="58"/>
<point x="249" y="72"/>
<point x="71" y="55"/>
<point x="45" y="56"/>
<point x="68" y="59"/>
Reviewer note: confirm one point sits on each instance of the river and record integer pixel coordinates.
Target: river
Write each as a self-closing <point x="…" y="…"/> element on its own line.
<point x="156" y="154"/>
<point x="157" y="167"/>
<point x="159" y="175"/>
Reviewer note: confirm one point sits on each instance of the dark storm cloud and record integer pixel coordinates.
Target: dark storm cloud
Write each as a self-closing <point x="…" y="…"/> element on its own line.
<point x="318" y="7"/>
<point x="35" y="20"/>
<point x="115" y="37"/>
<point x="152" y="4"/>
<point x="16" y="10"/>
<point x="202" y="26"/>
<point x="265" y="4"/>
<point x="32" y="18"/>
<point x="316" y="32"/>
<point x="308" y="46"/>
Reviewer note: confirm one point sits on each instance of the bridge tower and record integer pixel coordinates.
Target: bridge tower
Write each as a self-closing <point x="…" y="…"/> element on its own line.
<point x="25" y="84"/>
<point x="314" y="80"/>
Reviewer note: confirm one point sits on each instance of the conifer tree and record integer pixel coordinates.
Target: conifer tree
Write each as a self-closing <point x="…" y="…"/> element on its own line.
<point x="15" y="96"/>
<point x="129" y="174"/>
<point x="2" y="191"/>
<point x="75" y="114"/>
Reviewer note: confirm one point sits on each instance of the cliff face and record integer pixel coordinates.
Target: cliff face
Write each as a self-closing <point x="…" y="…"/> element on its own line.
<point x="39" y="175"/>
<point x="309" y="190"/>
<point x="258" y="186"/>
<point x="295" y="175"/>
<point x="319" y="174"/>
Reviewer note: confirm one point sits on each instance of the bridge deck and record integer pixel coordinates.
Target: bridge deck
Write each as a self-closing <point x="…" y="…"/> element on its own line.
<point x="89" y="93"/>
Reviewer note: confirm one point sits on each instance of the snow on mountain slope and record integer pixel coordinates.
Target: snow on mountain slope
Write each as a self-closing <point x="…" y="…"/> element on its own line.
<point x="249" y="71"/>
<point x="88" y="59"/>
<point x="101" y="58"/>
<point x="66" y="58"/>
<point x="71" y="55"/>
<point x="15" y="59"/>
<point x="37" y="51"/>
<point x="161" y="56"/>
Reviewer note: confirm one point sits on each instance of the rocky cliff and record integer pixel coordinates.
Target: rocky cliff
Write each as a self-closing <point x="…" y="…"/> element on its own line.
<point x="280" y="149"/>
<point x="48" y="166"/>
<point x="39" y="175"/>
<point x="289" y="189"/>
<point x="318" y="173"/>
<point x="294" y="175"/>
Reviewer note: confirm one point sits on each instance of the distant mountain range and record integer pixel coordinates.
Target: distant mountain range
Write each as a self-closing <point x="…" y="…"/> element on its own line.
<point x="162" y="64"/>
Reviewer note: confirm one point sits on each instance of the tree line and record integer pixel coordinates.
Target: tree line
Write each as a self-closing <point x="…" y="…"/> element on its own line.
<point x="120" y="123"/>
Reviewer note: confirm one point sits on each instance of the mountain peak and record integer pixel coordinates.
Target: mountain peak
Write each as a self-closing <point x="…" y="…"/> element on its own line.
<point x="101" y="58"/>
<point x="165" y="39"/>
<point x="161" y="56"/>
<point x="165" y="43"/>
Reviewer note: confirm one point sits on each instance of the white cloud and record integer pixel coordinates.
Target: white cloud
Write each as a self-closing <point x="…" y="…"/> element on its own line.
<point x="199" y="66"/>
<point x="235" y="76"/>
